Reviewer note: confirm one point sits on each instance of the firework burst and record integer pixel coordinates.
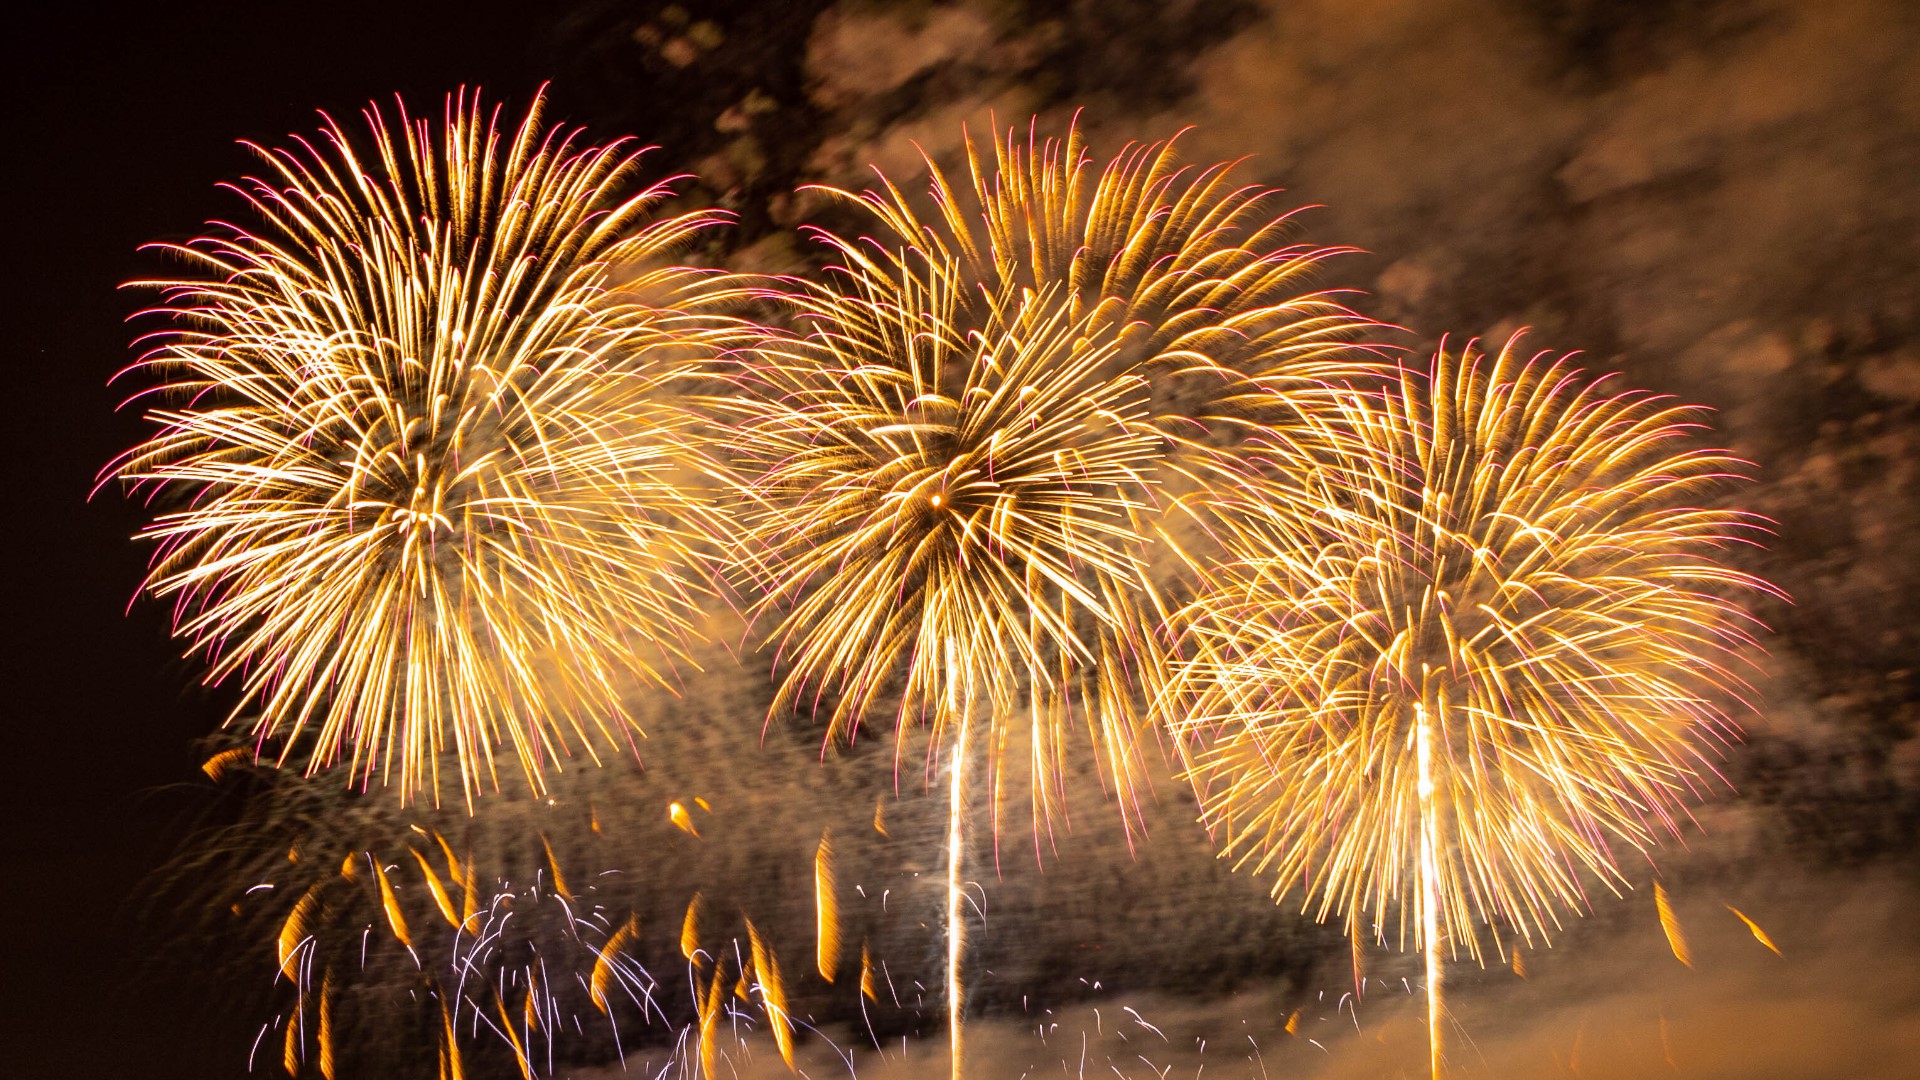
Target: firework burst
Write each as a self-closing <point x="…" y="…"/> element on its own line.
<point x="523" y="941"/>
<point x="422" y="476"/>
<point x="949" y="512"/>
<point x="964" y="467"/>
<point x="1188" y="273"/>
<point x="1485" y="649"/>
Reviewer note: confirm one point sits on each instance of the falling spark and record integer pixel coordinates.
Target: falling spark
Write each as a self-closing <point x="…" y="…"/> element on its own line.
<point x="326" y="1025"/>
<point x="677" y="814"/>
<point x="1676" y="937"/>
<point x="773" y="993"/>
<point x="450" y="1063"/>
<point x="606" y="963"/>
<point x="396" y="918"/>
<point x="217" y="766"/>
<point x="294" y="931"/>
<point x="439" y="892"/>
<point x="690" y="932"/>
<point x="553" y="864"/>
<point x="1758" y="934"/>
<point x="1358" y="957"/>
<point x="508" y="1028"/>
<point x="826" y="911"/>
<point x="422" y="484"/>
<point x="869" y="988"/>
<point x="290" y="1057"/>
<point x="1482" y="644"/>
<point x="709" y="1016"/>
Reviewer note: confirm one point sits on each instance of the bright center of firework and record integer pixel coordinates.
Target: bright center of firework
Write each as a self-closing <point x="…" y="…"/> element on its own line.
<point x="936" y="501"/>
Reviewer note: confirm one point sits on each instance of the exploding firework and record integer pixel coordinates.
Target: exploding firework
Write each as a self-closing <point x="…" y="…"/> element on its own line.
<point x="1488" y="645"/>
<point x="1189" y="274"/>
<point x="523" y="941"/>
<point x="424" y="484"/>
<point x="963" y="468"/>
<point x="951" y="518"/>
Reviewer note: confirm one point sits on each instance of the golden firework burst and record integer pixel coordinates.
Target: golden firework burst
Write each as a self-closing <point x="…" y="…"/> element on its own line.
<point x="1189" y="273"/>
<point x="1486" y="646"/>
<point x="965" y="466"/>
<point x="421" y="472"/>
<point x="942" y="516"/>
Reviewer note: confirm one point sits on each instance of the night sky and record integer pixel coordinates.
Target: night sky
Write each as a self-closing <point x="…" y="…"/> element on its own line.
<point x="125" y="121"/>
<point x="1719" y="198"/>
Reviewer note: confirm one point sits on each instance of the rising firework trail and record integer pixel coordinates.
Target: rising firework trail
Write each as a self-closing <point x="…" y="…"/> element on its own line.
<point x="964" y="462"/>
<point x="422" y="483"/>
<point x="1487" y="646"/>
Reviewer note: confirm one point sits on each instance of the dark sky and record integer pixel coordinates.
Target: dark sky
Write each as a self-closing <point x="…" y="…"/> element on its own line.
<point x="122" y="123"/>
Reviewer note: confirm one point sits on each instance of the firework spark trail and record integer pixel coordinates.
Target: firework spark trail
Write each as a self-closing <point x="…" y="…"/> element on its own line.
<point x="423" y="479"/>
<point x="1487" y="642"/>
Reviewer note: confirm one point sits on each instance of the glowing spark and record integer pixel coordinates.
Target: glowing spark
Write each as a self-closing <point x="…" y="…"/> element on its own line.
<point x="290" y="1057"/>
<point x="294" y="931"/>
<point x="553" y="864"/>
<point x="710" y="1010"/>
<point x="1670" y="924"/>
<point x="453" y="861"/>
<point x="826" y="911"/>
<point x="604" y="964"/>
<point x="869" y="988"/>
<point x="451" y="1067"/>
<point x="690" y="931"/>
<point x="440" y="898"/>
<point x="513" y="1035"/>
<point x="422" y="486"/>
<point x="391" y="903"/>
<point x="1358" y="956"/>
<point x="1754" y="927"/>
<point x="326" y="1025"/>
<point x="773" y="993"/>
<point x="1482" y="644"/>
<point x="217" y="766"/>
<point x="677" y="814"/>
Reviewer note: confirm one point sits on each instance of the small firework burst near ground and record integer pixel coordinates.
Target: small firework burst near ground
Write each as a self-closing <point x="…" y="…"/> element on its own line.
<point x="1485" y="649"/>
<point x="539" y="937"/>
<point x="421" y="481"/>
